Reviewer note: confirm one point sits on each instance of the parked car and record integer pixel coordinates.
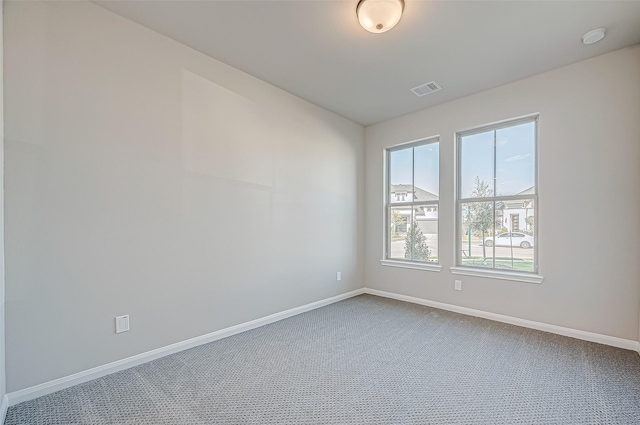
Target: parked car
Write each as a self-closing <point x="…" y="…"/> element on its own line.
<point x="513" y="239"/>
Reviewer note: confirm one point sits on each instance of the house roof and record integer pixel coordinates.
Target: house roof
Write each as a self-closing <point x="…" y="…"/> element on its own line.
<point x="419" y="194"/>
<point x="530" y="191"/>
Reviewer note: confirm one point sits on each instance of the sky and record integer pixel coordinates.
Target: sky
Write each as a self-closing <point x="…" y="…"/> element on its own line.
<point x="427" y="175"/>
<point x="515" y="160"/>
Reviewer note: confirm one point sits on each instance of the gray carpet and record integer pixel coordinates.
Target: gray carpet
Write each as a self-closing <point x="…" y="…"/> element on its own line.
<point x="366" y="360"/>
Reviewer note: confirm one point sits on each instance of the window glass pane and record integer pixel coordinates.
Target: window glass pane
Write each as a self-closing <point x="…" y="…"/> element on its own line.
<point x="498" y="234"/>
<point x="476" y="168"/>
<point x="427" y="172"/>
<point x="476" y="232"/>
<point x="400" y="224"/>
<point x="413" y="178"/>
<point x="425" y="238"/>
<point x="401" y="175"/>
<point x="515" y="160"/>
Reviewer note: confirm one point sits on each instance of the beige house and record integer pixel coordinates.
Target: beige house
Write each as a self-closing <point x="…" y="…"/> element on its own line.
<point x="426" y="215"/>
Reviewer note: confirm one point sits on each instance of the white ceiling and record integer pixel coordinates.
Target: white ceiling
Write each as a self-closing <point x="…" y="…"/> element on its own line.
<point x="318" y="51"/>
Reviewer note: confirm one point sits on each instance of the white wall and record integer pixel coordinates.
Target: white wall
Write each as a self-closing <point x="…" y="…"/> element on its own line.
<point x="589" y="137"/>
<point x="145" y="178"/>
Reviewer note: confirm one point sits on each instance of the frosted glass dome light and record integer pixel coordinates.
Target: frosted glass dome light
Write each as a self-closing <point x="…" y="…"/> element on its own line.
<point x="379" y="15"/>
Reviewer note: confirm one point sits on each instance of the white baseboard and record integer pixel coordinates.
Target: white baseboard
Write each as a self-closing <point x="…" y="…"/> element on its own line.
<point x="573" y="333"/>
<point x="3" y="409"/>
<point x="36" y="391"/>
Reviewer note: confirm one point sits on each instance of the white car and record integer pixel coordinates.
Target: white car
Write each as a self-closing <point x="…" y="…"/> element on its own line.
<point x="513" y="239"/>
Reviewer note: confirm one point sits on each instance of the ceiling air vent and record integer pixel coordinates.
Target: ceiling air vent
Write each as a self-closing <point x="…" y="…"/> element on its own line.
<point x="425" y="89"/>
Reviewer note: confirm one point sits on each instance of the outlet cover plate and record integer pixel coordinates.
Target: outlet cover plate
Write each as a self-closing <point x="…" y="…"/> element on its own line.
<point x="122" y="323"/>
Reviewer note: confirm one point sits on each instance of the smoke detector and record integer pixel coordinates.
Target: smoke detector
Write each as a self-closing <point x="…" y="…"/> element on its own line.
<point x="426" y="89"/>
<point x="593" y="36"/>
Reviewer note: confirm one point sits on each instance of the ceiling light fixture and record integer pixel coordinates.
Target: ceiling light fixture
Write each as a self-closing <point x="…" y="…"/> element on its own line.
<point x="379" y="15"/>
<point x="593" y="36"/>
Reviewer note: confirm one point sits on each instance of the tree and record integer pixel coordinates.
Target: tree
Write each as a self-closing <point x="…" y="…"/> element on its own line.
<point x="480" y="214"/>
<point x="415" y="245"/>
<point x="529" y="220"/>
<point x="397" y="221"/>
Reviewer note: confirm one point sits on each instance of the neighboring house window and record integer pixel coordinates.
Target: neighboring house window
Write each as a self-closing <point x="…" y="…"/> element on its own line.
<point x="497" y="197"/>
<point x="413" y="177"/>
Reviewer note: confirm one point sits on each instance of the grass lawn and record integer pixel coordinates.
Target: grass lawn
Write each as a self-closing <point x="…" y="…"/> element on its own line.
<point x="503" y="264"/>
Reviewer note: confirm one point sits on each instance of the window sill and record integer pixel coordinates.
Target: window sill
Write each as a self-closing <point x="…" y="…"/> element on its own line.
<point x="498" y="274"/>
<point x="411" y="265"/>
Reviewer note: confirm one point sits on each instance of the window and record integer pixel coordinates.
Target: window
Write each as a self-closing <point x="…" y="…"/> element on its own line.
<point x="497" y="197"/>
<point x="412" y="193"/>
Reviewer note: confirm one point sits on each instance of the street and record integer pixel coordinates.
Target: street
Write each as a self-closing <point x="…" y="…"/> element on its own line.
<point x="397" y="249"/>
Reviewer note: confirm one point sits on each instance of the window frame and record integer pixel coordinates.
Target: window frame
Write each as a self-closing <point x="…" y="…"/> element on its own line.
<point x="470" y="270"/>
<point x="388" y="205"/>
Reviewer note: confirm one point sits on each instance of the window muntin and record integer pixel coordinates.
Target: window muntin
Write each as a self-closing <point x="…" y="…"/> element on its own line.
<point x="497" y="197"/>
<point x="412" y="197"/>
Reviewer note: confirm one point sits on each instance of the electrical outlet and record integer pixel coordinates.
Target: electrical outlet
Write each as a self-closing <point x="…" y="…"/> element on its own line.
<point x="122" y="323"/>
<point x="458" y="285"/>
<point x="339" y="276"/>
